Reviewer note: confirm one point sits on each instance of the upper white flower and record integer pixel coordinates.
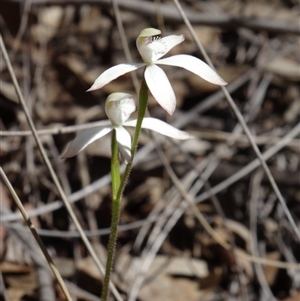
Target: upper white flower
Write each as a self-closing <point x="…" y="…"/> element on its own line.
<point x="152" y="48"/>
<point x="118" y="108"/>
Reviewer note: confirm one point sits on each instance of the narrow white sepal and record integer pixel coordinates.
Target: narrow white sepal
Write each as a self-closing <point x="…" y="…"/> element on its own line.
<point x="160" y="87"/>
<point x="124" y="142"/>
<point x="84" y="139"/>
<point x="194" y="65"/>
<point x="161" y="127"/>
<point x="112" y="73"/>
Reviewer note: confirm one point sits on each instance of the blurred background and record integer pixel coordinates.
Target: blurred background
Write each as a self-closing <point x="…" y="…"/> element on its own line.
<point x="235" y="242"/>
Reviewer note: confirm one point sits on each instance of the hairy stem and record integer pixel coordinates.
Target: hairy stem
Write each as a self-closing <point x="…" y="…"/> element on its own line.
<point x="115" y="183"/>
<point x="119" y="186"/>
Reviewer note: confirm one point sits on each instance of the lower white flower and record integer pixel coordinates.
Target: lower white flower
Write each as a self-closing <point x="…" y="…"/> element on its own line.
<point x="118" y="108"/>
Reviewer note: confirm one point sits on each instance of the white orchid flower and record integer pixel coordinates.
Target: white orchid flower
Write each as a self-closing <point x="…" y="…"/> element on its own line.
<point x="152" y="48"/>
<point x="118" y="108"/>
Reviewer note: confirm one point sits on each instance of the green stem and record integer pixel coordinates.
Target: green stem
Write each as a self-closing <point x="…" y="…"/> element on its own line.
<point x="115" y="183"/>
<point x="118" y="187"/>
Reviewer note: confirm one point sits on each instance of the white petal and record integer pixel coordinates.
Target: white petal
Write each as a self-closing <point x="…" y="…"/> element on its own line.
<point x="194" y="65"/>
<point x="124" y="142"/>
<point x="160" y="88"/>
<point x="151" y="49"/>
<point x="161" y="127"/>
<point x="84" y="139"/>
<point x="168" y="43"/>
<point x="112" y="73"/>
